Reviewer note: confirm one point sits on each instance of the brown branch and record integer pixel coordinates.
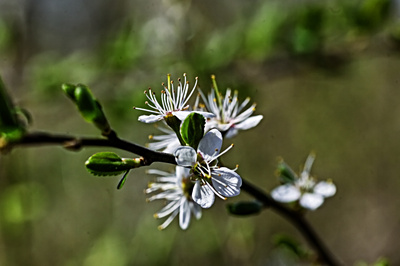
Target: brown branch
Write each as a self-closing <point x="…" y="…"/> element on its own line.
<point x="76" y="143"/>
<point x="150" y="156"/>
<point x="296" y="218"/>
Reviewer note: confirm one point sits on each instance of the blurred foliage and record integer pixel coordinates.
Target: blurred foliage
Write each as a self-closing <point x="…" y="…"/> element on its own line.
<point x="54" y="213"/>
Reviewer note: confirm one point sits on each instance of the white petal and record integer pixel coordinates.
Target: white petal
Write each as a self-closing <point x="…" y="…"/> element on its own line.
<point x="185" y="156"/>
<point x="249" y="122"/>
<point x="311" y="201"/>
<point x="308" y="164"/>
<point x="196" y="209"/>
<point x="181" y="115"/>
<point x="226" y="182"/>
<point x="224" y="127"/>
<point x="326" y="189"/>
<point x="203" y="195"/>
<point x="286" y="193"/>
<point x="231" y="133"/>
<point x="205" y="114"/>
<point x="184" y="214"/>
<point x="181" y="173"/>
<point x="210" y="123"/>
<point x="172" y="146"/>
<point x="150" y="118"/>
<point x="210" y="143"/>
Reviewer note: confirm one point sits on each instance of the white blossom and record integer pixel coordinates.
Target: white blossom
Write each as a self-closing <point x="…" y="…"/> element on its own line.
<point x="210" y="180"/>
<point x="173" y="102"/>
<point x="305" y="189"/>
<point x="176" y="189"/>
<point x="229" y="115"/>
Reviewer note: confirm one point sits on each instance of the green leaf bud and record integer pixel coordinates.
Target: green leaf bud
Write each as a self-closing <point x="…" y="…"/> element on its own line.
<point x="69" y="90"/>
<point x="88" y="106"/>
<point x="110" y="164"/>
<point x="11" y="128"/>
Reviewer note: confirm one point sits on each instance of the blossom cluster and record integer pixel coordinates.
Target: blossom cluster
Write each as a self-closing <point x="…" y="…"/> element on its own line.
<point x="198" y="176"/>
<point x="303" y="189"/>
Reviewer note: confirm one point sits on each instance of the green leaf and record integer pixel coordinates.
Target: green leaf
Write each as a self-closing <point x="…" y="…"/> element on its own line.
<point x="192" y="129"/>
<point x="175" y="124"/>
<point x="285" y="173"/>
<point x="122" y="181"/>
<point x="108" y="164"/>
<point x="245" y="207"/>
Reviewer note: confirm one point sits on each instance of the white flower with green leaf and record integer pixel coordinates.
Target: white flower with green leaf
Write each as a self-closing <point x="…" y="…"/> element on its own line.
<point x="229" y="115"/>
<point x="305" y="189"/>
<point x="210" y="179"/>
<point x="173" y="102"/>
<point x="176" y="189"/>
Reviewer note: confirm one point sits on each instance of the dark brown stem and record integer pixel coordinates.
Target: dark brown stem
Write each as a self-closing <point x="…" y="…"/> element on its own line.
<point x="76" y="143"/>
<point x="296" y="218"/>
<point x="150" y="156"/>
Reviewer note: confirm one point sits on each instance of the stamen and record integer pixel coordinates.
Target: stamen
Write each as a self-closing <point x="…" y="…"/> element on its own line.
<point x="227" y="149"/>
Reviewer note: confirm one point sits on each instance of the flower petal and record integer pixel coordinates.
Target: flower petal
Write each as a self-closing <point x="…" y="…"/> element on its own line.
<point x="226" y="182"/>
<point x="203" y="195"/>
<point x="205" y="114"/>
<point x="181" y="173"/>
<point x="311" y="201"/>
<point x="196" y="209"/>
<point x="150" y="118"/>
<point x="184" y="214"/>
<point x="210" y="144"/>
<point x="181" y="115"/>
<point x="326" y="189"/>
<point x="249" y="122"/>
<point x="185" y="156"/>
<point x="286" y="193"/>
<point x="231" y="133"/>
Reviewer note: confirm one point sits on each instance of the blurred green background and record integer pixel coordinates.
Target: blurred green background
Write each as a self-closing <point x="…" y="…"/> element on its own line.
<point x="325" y="75"/>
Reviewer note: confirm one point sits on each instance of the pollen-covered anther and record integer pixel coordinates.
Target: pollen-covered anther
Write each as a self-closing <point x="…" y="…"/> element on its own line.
<point x="150" y="137"/>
